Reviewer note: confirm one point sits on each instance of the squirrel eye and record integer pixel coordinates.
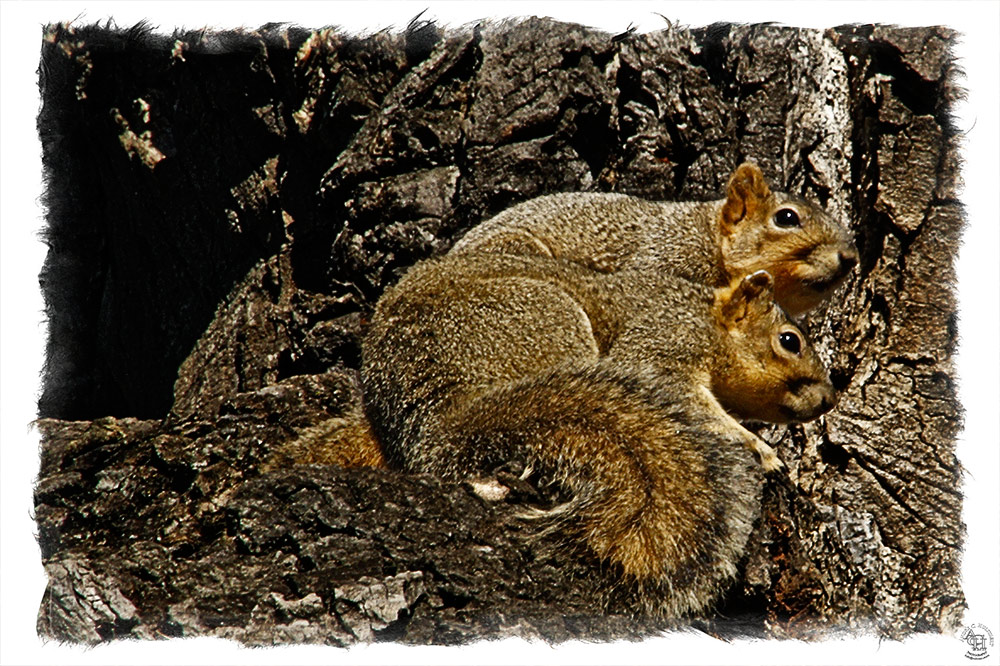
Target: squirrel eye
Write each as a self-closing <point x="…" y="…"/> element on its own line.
<point x="786" y="217"/>
<point x="790" y="342"/>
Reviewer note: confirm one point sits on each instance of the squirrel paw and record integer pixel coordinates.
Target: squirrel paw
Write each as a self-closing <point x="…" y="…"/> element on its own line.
<point x="769" y="460"/>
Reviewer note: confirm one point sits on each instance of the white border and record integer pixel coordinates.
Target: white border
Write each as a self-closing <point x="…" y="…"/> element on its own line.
<point x="22" y="331"/>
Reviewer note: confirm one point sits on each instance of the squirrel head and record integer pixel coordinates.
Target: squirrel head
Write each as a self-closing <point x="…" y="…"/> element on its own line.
<point x="770" y="372"/>
<point x="806" y="252"/>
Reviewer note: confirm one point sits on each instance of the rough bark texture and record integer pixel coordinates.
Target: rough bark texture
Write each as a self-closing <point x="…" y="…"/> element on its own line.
<point x="225" y="208"/>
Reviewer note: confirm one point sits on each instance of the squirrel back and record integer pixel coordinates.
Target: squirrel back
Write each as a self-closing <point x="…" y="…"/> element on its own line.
<point x="616" y="391"/>
<point x="713" y="243"/>
<point x="460" y="324"/>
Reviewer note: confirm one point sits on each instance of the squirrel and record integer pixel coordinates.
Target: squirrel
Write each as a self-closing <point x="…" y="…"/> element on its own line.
<point x="712" y="243"/>
<point x="618" y="390"/>
<point x="607" y="345"/>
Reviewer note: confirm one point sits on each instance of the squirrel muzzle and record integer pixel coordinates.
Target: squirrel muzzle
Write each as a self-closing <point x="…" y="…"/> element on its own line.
<point x="807" y="399"/>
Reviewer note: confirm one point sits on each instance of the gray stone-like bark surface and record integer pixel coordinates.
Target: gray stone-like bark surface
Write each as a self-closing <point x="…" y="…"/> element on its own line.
<point x="224" y="209"/>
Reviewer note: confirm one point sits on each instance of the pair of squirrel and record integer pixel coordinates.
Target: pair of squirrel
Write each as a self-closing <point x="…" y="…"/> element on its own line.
<point x="606" y="345"/>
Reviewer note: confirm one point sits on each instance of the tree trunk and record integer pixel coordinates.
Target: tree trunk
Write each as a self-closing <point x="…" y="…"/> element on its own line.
<point x="225" y="209"/>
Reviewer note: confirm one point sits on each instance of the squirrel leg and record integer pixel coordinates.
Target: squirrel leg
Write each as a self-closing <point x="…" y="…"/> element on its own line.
<point x="769" y="460"/>
<point x="346" y="441"/>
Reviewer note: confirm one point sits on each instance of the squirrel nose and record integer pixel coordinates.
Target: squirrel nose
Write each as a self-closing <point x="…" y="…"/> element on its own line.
<point x="826" y="401"/>
<point x="845" y="262"/>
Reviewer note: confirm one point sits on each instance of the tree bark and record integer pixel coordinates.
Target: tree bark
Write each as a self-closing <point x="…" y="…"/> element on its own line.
<point x="226" y="208"/>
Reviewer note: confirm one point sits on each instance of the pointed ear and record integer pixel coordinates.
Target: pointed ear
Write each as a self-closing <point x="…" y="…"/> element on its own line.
<point x="746" y="193"/>
<point x="753" y="294"/>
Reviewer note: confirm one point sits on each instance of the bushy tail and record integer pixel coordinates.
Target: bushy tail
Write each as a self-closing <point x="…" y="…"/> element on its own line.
<point x="649" y="483"/>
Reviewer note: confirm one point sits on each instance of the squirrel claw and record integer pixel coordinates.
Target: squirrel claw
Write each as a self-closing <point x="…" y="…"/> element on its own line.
<point x="770" y="461"/>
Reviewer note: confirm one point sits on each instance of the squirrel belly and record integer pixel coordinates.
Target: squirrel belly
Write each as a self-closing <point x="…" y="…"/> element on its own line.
<point x="715" y="243"/>
<point x="617" y="388"/>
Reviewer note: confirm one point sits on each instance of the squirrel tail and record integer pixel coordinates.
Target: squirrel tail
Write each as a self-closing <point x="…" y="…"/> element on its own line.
<point x="347" y="441"/>
<point x="644" y="480"/>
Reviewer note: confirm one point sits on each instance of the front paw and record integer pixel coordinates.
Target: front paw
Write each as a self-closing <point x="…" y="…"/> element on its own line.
<point x="769" y="460"/>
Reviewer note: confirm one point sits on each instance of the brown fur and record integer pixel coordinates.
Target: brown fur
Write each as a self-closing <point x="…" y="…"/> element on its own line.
<point x="616" y="387"/>
<point x="343" y="441"/>
<point x="606" y="344"/>
<point x="714" y="243"/>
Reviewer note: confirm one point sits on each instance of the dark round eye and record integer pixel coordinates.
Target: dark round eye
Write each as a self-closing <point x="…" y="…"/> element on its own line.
<point x="790" y="341"/>
<point x="786" y="217"/>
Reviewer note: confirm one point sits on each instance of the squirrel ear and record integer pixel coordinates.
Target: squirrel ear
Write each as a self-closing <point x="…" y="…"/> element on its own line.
<point x="754" y="292"/>
<point x="746" y="193"/>
<point x="759" y="285"/>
